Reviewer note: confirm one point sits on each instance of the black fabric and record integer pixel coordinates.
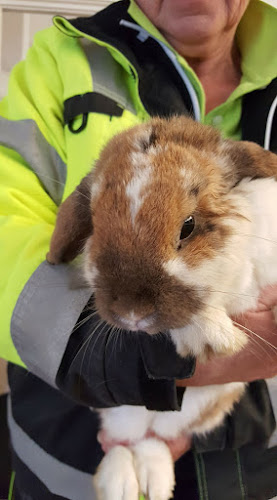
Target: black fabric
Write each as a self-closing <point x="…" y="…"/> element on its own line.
<point x="161" y="89"/>
<point x="216" y="440"/>
<point x="255" y="109"/>
<point x="5" y="454"/>
<point x="246" y="474"/>
<point x="104" y="370"/>
<point x="161" y="360"/>
<point x="217" y="470"/>
<point x="91" y="102"/>
<point x="27" y="486"/>
<point x="59" y="426"/>
<point x="252" y="421"/>
<point x="186" y="487"/>
<point x="249" y="474"/>
<point x="259" y="469"/>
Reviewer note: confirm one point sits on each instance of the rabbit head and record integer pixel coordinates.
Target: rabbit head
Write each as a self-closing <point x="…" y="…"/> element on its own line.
<point x="156" y="222"/>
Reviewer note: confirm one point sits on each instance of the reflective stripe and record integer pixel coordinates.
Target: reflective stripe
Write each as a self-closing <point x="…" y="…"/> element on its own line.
<point x="272" y="387"/>
<point x="61" y="479"/>
<point x="25" y="138"/>
<point x="108" y="76"/>
<point x="44" y="318"/>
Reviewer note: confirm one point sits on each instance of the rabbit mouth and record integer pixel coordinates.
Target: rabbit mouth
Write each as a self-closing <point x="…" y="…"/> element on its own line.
<point x="146" y="318"/>
<point x="137" y="322"/>
<point x="142" y="296"/>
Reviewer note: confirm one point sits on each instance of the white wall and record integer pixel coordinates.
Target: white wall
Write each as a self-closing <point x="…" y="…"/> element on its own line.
<point x="20" y="19"/>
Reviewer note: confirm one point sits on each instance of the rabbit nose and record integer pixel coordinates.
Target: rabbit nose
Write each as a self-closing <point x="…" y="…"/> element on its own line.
<point x="135" y="322"/>
<point x="147" y="322"/>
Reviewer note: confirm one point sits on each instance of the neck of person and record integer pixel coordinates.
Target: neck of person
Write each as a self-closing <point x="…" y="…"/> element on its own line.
<point x="217" y="65"/>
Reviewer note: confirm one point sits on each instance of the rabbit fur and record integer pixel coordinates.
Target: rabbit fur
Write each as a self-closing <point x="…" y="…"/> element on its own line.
<point x="177" y="229"/>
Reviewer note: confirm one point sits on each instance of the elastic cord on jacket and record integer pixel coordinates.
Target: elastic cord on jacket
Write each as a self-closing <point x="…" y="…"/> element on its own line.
<point x="269" y="123"/>
<point x="142" y="36"/>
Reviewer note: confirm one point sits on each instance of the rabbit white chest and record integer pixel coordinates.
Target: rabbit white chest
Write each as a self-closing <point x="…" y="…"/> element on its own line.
<point x="203" y="408"/>
<point x="177" y="237"/>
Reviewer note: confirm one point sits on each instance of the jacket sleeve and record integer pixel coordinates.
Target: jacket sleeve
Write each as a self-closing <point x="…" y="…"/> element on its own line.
<point x="33" y="173"/>
<point x="102" y="368"/>
<point x="39" y="310"/>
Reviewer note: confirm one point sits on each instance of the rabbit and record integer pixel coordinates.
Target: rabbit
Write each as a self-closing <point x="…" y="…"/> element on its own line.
<point x="175" y="226"/>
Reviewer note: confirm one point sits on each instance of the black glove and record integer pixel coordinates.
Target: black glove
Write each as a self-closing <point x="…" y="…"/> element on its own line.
<point x="101" y="368"/>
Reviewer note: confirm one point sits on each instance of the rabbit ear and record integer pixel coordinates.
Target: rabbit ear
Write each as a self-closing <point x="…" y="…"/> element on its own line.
<point x="73" y="225"/>
<point x="246" y="159"/>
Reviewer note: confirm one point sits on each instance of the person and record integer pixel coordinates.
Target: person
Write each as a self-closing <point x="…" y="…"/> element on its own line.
<point x="83" y="81"/>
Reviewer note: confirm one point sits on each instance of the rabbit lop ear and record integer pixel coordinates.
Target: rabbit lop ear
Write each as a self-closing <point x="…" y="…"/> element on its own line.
<point x="246" y="159"/>
<point x="73" y="225"/>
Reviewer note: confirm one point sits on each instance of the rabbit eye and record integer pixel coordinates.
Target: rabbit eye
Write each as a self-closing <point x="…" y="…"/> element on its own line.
<point x="187" y="228"/>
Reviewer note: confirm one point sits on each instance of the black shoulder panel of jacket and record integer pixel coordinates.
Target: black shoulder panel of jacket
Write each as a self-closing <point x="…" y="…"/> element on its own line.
<point x="102" y="369"/>
<point x="255" y="111"/>
<point x="161" y="88"/>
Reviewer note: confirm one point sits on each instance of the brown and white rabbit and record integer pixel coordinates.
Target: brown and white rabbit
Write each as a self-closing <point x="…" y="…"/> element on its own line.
<point x="178" y="227"/>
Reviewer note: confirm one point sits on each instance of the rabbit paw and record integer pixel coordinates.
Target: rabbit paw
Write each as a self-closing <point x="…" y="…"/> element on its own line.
<point x="154" y="469"/>
<point x="214" y="334"/>
<point x="116" y="477"/>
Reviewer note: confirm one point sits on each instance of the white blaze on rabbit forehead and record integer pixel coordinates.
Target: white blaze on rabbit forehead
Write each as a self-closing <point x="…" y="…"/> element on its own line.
<point x="96" y="187"/>
<point x="189" y="171"/>
<point x="90" y="270"/>
<point x="188" y="177"/>
<point x="141" y="178"/>
<point x="142" y="172"/>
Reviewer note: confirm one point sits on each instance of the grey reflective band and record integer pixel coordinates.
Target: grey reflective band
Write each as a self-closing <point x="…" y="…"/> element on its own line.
<point x="24" y="137"/>
<point x="44" y="318"/>
<point x="60" y="478"/>
<point x="108" y="76"/>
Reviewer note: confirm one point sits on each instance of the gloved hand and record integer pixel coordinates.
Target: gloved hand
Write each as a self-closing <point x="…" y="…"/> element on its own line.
<point x="102" y="368"/>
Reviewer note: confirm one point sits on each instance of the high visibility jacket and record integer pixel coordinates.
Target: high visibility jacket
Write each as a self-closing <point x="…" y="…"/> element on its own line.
<point x="82" y="82"/>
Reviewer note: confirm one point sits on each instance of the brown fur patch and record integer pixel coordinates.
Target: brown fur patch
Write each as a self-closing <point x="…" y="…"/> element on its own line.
<point x="181" y="130"/>
<point x="73" y="226"/>
<point x="213" y="413"/>
<point x="130" y="251"/>
<point x="247" y="159"/>
<point x="195" y="190"/>
<point x="209" y="353"/>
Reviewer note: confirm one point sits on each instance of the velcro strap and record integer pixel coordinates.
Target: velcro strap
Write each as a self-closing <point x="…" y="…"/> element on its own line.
<point x="92" y="102"/>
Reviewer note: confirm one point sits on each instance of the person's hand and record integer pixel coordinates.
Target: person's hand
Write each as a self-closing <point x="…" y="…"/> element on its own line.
<point x="177" y="446"/>
<point x="258" y="360"/>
